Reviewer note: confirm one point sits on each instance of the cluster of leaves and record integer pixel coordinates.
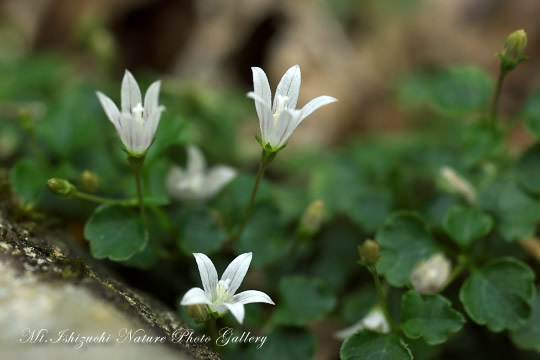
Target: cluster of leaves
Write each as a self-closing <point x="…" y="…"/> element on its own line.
<point x="366" y="186"/>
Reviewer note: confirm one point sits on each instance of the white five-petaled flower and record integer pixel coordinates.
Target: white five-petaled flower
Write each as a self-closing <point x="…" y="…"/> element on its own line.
<point x="220" y="295"/>
<point x="136" y="124"/>
<point x="279" y="120"/>
<point x="374" y="320"/>
<point x="196" y="182"/>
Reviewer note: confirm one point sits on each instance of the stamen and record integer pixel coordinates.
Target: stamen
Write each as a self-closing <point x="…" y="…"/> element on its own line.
<point x="282" y="102"/>
<point x="138" y="111"/>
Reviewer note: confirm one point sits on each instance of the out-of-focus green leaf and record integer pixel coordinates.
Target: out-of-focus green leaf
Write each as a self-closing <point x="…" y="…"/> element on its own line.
<point x="302" y="300"/>
<point x="528" y="170"/>
<point x="28" y="180"/>
<point x="464" y="225"/>
<point x="531" y="113"/>
<point x="368" y="344"/>
<point x="499" y="295"/>
<point x="528" y="336"/>
<point x="356" y="306"/>
<point x="201" y="232"/>
<point x="286" y="344"/>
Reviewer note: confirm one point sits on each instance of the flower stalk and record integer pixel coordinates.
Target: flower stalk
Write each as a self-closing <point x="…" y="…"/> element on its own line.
<point x="382" y="297"/>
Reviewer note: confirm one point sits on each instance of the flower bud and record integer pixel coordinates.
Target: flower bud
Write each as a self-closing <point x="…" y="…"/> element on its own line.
<point x="89" y="181"/>
<point x="459" y="184"/>
<point x="61" y="187"/>
<point x="198" y="312"/>
<point x="430" y="276"/>
<point x="26" y="121"/>
<point x="312" y="219"/>
<point x="369" y="252"/>
<point x="513" y="50"/>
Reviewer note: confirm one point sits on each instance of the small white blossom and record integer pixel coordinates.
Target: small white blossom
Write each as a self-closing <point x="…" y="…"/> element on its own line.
<point x="197" y="182"/>
<point x="279" y="120"/>
<point x="458" y="184"/>
<point x="136" y="124"/>
<point x="429" y="276"/>
<point x="374" y="320"/>
<point x="220" y="295"/>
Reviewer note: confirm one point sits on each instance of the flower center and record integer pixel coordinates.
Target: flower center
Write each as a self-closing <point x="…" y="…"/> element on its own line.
<point x="282" y="102"/>
<point x="222" y="291"/>
<point x="138" y="112"/>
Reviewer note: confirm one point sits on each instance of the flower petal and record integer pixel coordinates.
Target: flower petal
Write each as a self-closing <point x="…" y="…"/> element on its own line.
<point x="236" y="271"/>
<point x="195" y="296"/>
<point x="216" y="179"/>
<point x="261" y="87"/>
<point x="252" y="296"/>
<point x="131" y="94"/>
<point x="237" y="310"/>
<point x="315" y="104"/>
<point x="285" y="125"/>
<point x="208" y="274"/>
<point x="263" y="112"/>
<point x="111" y="110"/>
<point x="195" y="161"/>
<point x="152" y="111"/>
<point x="289" y="86"/>
<point x="174" y="178"/>
<point x="151" y="97"/>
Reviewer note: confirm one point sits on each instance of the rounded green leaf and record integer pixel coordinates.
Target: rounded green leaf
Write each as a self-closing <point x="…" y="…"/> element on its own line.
<point x="286" y="344"/>
<point x="528" y="170"/>
<point x="302" y="300"/>
<point x="429" y="317"/>
<point x="528" y="336"/>
<point x="115" y="232"/>
<point x="404" y="241"/>
<point x="499" y="294"/>
<point x="368" y="344"/>
<point x="531" y="114"/>
<point x="464" y="225"/>
<point x="201" y="232"/>
<point x="28" y="180"/>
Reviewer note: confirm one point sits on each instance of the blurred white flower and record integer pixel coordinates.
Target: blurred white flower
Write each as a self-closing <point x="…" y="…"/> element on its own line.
<point x="136" y="124"/>
<point x="219" y="295"/>
<point x="196" y="182"/>
<point x="429" y="276"/>
<point x="279" y="120"/>
<point x="458" y="184"/>
<point x="374" y="320"/>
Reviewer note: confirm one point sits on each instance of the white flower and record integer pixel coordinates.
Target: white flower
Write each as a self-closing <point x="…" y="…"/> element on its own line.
<point x="219" y="295"/>
<point x="430" y="276"/>
<point x="196" y="182"/>
<point x="136" y="124"/>
<point x="279" y="120"/>
<point x="374" y="320"/>
<point x="458" y="184"/>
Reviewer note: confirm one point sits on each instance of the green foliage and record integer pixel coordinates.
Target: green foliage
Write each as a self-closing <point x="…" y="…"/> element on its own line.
<point x="286" y="344"/>
<point x="200" y="231"/>
<point x="429" y="317"/>
<point x="531" y="114"/>
<point x="302" y="300"/>
<point x="28" y="180"/>
<point x="367" y="344"/>
<point x="465" y="225"/>
<point x="404" y="240"/>
<point x="528" y="335"/>
<point x="499" y="294"/>
<point x="115" y="232"/>
<point x="528" y="170"/>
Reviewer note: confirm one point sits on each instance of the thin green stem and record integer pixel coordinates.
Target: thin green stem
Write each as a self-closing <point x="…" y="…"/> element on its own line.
<point x="142" y="209"/>
<point x="104" y="200"/>
<point x="211" y="329"/>
<point x="382" y="298"/>
<point x="496" y="96"/>
<point x="460" y="266"/>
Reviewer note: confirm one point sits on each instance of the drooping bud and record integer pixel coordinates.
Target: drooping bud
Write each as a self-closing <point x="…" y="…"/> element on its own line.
<point x="513" y="50"/>
<point x="429" y="276"/>
<point x="61" y="187"/>
<point x="456" y="183"/>
<point x="369" y="252"/>
<point x="312" y="219"/>
<point x="198" y="312"/>
<point x="89" y="181"/>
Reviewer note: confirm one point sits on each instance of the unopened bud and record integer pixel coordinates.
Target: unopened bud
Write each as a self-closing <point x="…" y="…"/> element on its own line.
<point x="198" y="312"/>
<point x="459" y="184"/>
<point x="61" y="187"/>
<point x="89" y="181"/>
<point x="312" y="219"/>
<point x="369" y="252"/>
<point x="513" y="50"/>
<point x="430" y="276"/>
<point x="26" y="120"/>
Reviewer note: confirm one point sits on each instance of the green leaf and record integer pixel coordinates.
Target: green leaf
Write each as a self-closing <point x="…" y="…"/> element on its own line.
<point x="404" y="241"/>
<point x="429" y="317"/>
<point x="464" y="225"/>
<point x="303" y="300"/>
<point x="531" y="114"/>
<point x="264" y="236"/>
<point x="286" y="344"/>
<point x="115" y="232"/>
<point x="516" y="214"/>
<point x="528" y="170"/>
<point x="201" y="232"/>
<point x="528" y="336"/>
<point x="368" y="344"/>
<point x="499" y="294"/>
<point x="28" y="180"/>
<point x="357" y="306"/>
